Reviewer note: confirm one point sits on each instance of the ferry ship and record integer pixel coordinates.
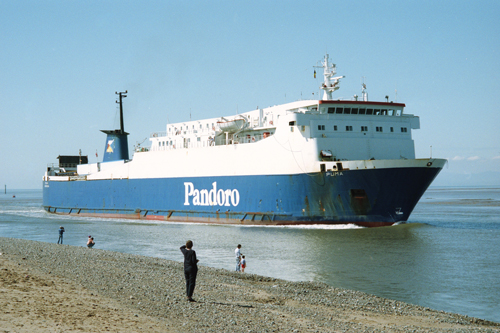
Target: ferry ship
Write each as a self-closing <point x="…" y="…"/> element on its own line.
<point x="326" y="161"/>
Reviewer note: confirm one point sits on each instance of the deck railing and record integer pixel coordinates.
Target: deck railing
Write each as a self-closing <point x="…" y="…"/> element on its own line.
<point x="221" y="141"/>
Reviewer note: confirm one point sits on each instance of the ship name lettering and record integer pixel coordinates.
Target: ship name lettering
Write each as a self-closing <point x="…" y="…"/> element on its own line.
<point x="212" y="197"/>
<point x="336" y="173"/>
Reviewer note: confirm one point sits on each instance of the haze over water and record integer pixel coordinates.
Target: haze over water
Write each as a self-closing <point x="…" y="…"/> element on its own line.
<point x="446" y="257"/>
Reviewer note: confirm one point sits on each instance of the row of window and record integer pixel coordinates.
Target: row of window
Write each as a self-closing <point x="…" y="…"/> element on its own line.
<point x="170" y="143"/>
<point x="348" y="128"/>
<point x="383" y="112"/>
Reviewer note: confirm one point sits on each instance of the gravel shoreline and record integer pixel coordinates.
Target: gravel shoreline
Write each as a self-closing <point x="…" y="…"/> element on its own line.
<point x="152" y="290"/>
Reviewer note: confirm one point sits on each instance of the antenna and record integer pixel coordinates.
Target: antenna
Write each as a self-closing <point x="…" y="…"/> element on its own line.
<point x="364" y="94"/>
<point x="122" y="95"/>
<point x="330" y="83"/>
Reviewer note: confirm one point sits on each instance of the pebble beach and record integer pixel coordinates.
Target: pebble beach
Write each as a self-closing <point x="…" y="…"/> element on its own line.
<point x="46" y="287"/>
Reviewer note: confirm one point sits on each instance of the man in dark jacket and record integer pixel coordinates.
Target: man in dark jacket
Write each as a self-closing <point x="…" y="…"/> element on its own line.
<point x="190" y="269"/>
<point x="61" y="231"/>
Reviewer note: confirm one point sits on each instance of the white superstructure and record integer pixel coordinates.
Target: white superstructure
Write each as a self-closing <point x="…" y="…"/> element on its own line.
<point x="284" y="139"/>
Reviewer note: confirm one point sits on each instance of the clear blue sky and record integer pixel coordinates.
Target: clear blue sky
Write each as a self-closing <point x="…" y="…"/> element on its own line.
<point x="62" y="61"/>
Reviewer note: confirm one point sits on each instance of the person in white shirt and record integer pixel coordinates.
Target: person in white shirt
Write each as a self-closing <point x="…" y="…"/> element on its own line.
<point x="237" y="253"/>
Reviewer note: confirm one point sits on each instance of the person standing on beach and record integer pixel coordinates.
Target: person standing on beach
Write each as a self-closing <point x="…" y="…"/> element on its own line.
<point x="190" y="269"/>
<point x="237" y="253"/>
<point x="61" y="231"/>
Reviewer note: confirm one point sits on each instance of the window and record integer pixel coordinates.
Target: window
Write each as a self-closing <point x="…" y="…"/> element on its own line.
<point x="376" y="112"/>
<point x="362" y="111"/>
<point x="347" y="110"/>
<point x="198" y="139"/>
<point x="348" y="128"/>
<point x="404" y="129"/>
<point x="379" y="129"/>
<point x="392" y="129"/>
<point x="334" y="127"/>
<point x="303" y="128"/>
<point x="331" y="110"/>
<point x="339" y="110"/>
<point x="369" y="111"/>
<point x="321" y="127"/>
<point x="354" y="111"/>
<point x="291" y="123"/>
<point x="364" y="128"/>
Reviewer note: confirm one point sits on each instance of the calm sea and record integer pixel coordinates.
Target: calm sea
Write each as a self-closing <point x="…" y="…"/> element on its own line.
<point x="447" y="256"/>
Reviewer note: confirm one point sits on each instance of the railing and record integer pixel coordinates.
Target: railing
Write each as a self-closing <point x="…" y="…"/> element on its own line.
<point x="246" y="139"/>
<point x="183" y="132"/>
<point x="53" y="169"/>
<point x="220" y="141"/>
<point x="157" y="134"/>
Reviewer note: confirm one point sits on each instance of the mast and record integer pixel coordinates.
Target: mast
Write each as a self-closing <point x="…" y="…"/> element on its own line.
<point x="330" y="83"/>
<point x="121" y="95"/>
<point x="116" y="147"/>
<point x="363" y="90"/>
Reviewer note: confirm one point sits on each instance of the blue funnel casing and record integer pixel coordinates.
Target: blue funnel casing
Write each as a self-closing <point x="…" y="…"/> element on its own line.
<point x="116" y="148"/>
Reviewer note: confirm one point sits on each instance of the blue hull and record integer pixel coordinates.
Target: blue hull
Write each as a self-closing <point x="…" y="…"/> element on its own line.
<point x="373" y="197"/>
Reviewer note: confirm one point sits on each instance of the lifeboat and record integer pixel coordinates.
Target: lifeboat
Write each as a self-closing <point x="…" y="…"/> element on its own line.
<point x="232" y="126"/>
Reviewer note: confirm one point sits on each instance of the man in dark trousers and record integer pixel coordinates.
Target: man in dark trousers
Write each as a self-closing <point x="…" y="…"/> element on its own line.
<point x="190" y="269"/>
<point x="61" y="231"/>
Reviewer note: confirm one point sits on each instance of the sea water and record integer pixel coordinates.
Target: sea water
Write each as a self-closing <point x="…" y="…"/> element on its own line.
<point x="447" y="257"/>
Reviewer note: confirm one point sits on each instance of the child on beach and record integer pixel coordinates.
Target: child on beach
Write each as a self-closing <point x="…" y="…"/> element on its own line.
<point x="90" y="242"/>
<point x="243" y="264"/>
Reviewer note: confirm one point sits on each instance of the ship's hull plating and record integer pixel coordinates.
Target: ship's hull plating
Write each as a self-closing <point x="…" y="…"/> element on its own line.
<point x="370" y="197"/>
